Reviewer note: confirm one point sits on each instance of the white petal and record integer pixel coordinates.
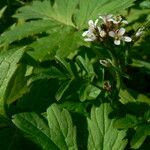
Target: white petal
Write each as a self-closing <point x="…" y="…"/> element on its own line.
<point x="91" y="30"/>
<point x="112" y="34"/>
<point x="125" y="21"/>
<point x="99" y="29"/>
<point x="102" y="33"/>
<point x="88" y="39"/>
<point x="85" y="33"/>
<point x="117" y="42"/>
<point x="118" y="18"/>
<point x="101" y="17"/>
<point x="96" y="21"/>
<point x="121" y="31"/>
<point x="116" y="22"/>
<point x="127" y="39"/>
<point x="138" y="33"/>
<point x="110" y="19"/>
<point x="90" y="22"/>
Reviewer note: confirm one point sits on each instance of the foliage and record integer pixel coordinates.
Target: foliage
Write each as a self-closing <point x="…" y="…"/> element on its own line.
<point x="58" y="91"/>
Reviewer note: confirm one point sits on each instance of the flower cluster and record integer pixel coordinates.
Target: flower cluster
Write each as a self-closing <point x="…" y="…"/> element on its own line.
<point x="110" y="28"/>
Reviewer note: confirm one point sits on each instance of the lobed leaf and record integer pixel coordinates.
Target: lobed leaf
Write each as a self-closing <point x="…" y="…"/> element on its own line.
<point x="61" y="11"/>
<point x="102" y="134"/>
<point x="62" y="131"/>
<point x="35" y="129"/>
<point x="58" y="134"/>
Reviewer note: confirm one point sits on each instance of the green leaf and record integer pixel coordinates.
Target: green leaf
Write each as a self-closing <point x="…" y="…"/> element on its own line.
<point x="141" y="133"/>
<point x="86" y="65"/>
<point x="35" y="128"/>
<point x="128" y="121"/>
<point x="147" y="115"/>
<point x="36" y="10"/>
<point x="145" y="4"/>
<point x="17" y="85"/>
<point x="63" y="133"/>
<point x="74" y="107"/>
<point x="140" y="63"/>
<point x="61" y="11"/>
<point x="2" y="11"/>
<point x="50" y="73"/>
<point x="92" y="9"/>
<point x="127" y="96"/>
<point x="27" y="29"/>
<point x="59" y="133"/>
<point x="102" y="134"/>
<point x="89" y="92"/>
<point x="64" y="86"/>
<point x="9" y="63"/>
<point x="60" y="44"/>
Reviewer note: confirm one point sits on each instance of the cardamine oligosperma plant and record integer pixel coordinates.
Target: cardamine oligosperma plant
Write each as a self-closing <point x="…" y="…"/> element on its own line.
<point x="109" y="30"/>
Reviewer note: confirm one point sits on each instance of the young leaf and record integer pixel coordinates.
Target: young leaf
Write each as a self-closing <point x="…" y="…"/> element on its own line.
<point x="17" y="85"/>
<point x="2" y="11"/>
<point x="64" y="86"/>
<point x="62" y="131"/>
<point x="35" y="129"/>
<point x="8" y="66"/>
<point x="102" y="134"/>
<point x="89" y="92"/>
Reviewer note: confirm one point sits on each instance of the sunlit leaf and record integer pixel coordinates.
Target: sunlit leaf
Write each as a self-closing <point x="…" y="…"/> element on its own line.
<point x="62" y="131"/>
<point x="102" y="134"/>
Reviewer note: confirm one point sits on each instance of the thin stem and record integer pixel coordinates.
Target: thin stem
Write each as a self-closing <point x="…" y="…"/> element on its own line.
<point x="116" y="65"/>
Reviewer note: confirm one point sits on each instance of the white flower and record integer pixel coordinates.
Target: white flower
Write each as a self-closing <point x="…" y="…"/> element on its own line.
<point x="118" y="36"/>
<point x="117" y="20"/>
<point x="90" y="33"/>
<point x="93" y="31"/>
<point x="139" y="32"/>
<point x="92" y="24"/>
<point x="124" y="21"/>
<point x="90" y="36"/>
<point x="102" y="33"/>
<point x="106" y="18"/>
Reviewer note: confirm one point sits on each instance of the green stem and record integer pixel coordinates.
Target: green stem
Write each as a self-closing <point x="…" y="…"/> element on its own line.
<point x="116" y="65"/>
